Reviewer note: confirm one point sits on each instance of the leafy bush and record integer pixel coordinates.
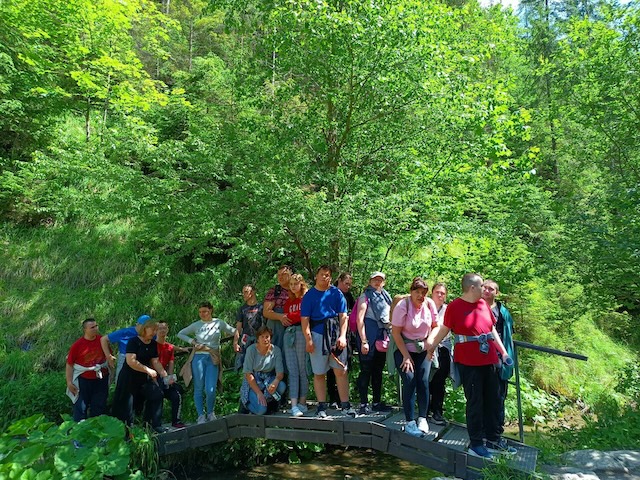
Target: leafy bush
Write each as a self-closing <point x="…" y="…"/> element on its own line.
<point x="35" y="448"/>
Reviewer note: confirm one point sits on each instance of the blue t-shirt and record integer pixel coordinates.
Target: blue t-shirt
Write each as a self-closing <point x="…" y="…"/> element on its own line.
<point x="122" y="337"/>
<point x="319" y="305"/>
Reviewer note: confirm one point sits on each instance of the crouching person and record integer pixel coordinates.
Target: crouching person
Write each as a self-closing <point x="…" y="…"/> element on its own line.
<point x="263" y="369"/>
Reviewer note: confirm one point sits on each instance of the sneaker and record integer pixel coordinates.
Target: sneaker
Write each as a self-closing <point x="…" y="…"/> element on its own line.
<point x="160" y="429"/>
<point x="296" y="412"/>
<point x="335" y="406"/>
<point x="480" y="451"/>
<point x="412" y="429"/>
<point x="201" y="419"/>
<point x="179" y="424"/>
<point x="211" y="417"/>
<point x="303" y="408"/>
<point x="364" y="409"/>
<point x="501" y="447"/>
<point x="350" y="411"/>
<point x="423" y="425"/>
<point x="321" y="414"/>
<point x="438" y="419"/>
<point x="381" y="407"/>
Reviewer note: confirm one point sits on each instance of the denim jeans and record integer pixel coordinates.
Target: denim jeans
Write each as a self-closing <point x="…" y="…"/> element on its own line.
<point x="254" y="405"/>
<point x="205" y="379"/>
<point x="92" y="398"/>
<point x="416" y="382"/>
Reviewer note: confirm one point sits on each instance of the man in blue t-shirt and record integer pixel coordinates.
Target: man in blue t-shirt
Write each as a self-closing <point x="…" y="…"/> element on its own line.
<point x="324" y="324"/>
<point x="121" y="337"/>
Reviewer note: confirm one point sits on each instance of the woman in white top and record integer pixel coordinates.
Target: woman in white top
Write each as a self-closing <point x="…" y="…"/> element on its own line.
<point x="204" y="335"/>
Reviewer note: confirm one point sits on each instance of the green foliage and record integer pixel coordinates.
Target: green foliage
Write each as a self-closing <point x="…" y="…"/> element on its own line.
<point x="40" y="449"/>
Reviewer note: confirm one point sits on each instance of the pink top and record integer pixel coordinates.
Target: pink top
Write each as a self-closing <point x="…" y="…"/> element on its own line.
<point x="416" y="323"/>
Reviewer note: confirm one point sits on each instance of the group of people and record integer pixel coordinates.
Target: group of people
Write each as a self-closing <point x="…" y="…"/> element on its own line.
<point x="297" y="326"/>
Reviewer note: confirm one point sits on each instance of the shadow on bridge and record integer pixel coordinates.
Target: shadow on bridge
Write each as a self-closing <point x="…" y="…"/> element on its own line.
<point x="444" y="449"/>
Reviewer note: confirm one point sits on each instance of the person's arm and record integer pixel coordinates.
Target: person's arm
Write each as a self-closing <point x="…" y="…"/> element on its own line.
<point x="362" y="310"/>
<point x="157" y="366"/>
<point x="170" y="367"/>
<point x="436" y="336"/>
<point x="133" y="362"/>
<point x="69" y="375"/>
<point x="254" y="386"/>
<point x="188" y="335"/>
<point x="104" y="343"/>
<point x="499" y="344"/>
<point x="407" y="361"/>
<point x="236" y="337"/>
<point x="306" y="331"/>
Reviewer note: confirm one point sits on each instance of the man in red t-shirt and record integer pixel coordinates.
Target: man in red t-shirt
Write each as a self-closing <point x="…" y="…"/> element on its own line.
<point x="476" y="355"/>
<point x="172" y="391"/>
<point x="87" y="374"/>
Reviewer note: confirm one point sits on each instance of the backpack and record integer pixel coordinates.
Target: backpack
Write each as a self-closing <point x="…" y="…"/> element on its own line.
<point x="353" y="315"/>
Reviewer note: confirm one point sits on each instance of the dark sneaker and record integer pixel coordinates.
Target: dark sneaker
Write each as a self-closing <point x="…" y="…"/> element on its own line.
<point x="501" y="447"/>
<point x="160" y="429"/>
<point x="438" y="419"/>
<point x="364" y="409"/>
<point x="334" y="406"/>
<point x="480" y="451"/>
<point x="178" y="424"/>
<point x="349" y="411"/>
<point x="381" y="407"/>
<point x="321" y="414"/>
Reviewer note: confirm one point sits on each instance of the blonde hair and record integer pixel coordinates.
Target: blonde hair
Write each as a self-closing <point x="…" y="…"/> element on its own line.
<point x="297" y="278"/>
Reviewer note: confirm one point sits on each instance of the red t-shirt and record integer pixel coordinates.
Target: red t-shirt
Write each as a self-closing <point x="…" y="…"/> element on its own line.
<point x="292" y="310"/>
<point x="87" y="353"/>
<point x="165" y="353"/>
<point x="464" y="318"/>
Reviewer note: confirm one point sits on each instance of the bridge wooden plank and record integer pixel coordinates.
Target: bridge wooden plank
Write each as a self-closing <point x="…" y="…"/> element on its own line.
<point x="380" y="437"/>
<point x="208" y="439"/>
<point x="357" y="440"/>
<point x="460" y="466"/>
<point x="303" y="436"/>
<point x="172" y="442"/>
<point x="421" y="458"/>
<point x="207" y="427"/>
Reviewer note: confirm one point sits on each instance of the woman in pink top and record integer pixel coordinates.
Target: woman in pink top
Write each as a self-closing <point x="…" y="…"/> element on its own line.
<point x="295" y="353"/>
<point x="411" y="322"/>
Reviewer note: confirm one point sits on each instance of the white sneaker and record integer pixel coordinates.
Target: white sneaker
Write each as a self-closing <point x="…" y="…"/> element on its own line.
<point x="202" y="418"/>
<point x="296" y="412"/>
<point x="423" y="425"/>
<point x="412" y="429"/>
<point x="211" y="417"/>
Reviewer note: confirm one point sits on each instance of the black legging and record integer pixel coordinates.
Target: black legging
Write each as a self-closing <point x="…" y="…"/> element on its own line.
<point x="437" y="383"/>
<point x="128" y="396"/>
<point x="371" y="369"/>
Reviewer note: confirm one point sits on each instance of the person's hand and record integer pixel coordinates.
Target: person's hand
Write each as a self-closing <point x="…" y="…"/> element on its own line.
<point x="111" y="360"/>
<point x="365" y="348"/>
<point x="170" y="380"/>
<point x="199" y="347"/>
<point x="262" y="400"/>
<point x="341" y="343"/>
<point x="236" y="347"/>
<point x="310" y="348"/>
<point x="152" y="373"/>
<point x="407" y="364"/>
<point x="285" y="321"/>
<point x="72" y="388"/>
<point x="272" y="387"/>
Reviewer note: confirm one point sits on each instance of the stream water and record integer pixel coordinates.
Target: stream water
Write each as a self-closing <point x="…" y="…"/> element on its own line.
<point x="351" y="464"/>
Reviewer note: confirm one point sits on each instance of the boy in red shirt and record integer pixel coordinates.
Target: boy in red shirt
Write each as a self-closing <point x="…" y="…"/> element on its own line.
<point x="166" y="357"/>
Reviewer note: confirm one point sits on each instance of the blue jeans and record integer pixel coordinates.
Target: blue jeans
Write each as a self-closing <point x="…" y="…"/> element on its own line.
<point x="254" y="405"/>
<point x="415" y="382"/>
<point x="205" y="378"/>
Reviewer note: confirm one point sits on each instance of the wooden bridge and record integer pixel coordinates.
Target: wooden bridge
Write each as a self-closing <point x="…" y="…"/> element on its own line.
<point x="444" y="449"/>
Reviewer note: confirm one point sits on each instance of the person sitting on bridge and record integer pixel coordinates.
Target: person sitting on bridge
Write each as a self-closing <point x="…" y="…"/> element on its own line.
<point x="204" y="363"/>
<point x="138" y="381"/>
<point x="87" y="373"/>
<point x="172" y="391"/>
<point x="262" y="387"/>
<point x="476" y="348"/>
<point x="504" y="327"/>
<point x="324" y="324"/>
<point x="412" y="321"/>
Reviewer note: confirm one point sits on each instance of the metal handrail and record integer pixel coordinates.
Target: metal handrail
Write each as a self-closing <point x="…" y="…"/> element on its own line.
<point x="539" y="348"/>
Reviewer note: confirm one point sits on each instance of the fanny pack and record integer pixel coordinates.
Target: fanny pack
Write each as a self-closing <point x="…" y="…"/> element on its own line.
<point x="482" y="339"/>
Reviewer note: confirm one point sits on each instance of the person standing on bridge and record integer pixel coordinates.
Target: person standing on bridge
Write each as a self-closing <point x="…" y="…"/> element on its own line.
<point x="437" y="384"/>
<point x="412" y="321"/>
<point x="204" y="336"/>
<point x="324" y="323"/>
<point x="273" y="309"/>
<point x="476" y="349"/>
<point x="504" y="327"/>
